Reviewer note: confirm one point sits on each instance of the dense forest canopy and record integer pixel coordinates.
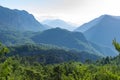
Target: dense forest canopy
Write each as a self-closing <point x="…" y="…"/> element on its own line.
<point x="16" y="67"/>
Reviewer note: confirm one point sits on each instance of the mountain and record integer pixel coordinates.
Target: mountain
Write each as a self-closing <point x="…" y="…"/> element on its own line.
<point x="20" y="27"/>
<point x="60" y="37"/>
<point x="102" y="30"/>
<point x="57" y="36"/>
<point x="64" y="38"/>
<point x="18" y="20"/>
<point x="59" y="23"/>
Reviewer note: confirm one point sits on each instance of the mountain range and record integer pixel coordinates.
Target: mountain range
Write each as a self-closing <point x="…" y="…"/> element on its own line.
<point x="72" y="40"/>
<point x="18" y="27"/>
<point x="102" y="30"/>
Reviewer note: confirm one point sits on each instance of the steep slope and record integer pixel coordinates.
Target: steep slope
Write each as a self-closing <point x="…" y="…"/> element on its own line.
<point x="18" y="20"/>
<point x="59" y="23"/>
<point x="89" y="25"/>
<point x="104" y="31"/>
<point x="64" y="38"/>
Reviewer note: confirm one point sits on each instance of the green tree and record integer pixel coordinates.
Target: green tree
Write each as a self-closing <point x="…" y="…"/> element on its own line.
<point x="3" y="50"/>
<point x="116" y="45"/>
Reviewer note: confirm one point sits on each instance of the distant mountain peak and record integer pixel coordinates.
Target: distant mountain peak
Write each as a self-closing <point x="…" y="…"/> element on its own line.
<point x="103" y="19"/>
<point x="102" y="30"/>
<point x="19" y="20"/>
<point x="59" y="23"/>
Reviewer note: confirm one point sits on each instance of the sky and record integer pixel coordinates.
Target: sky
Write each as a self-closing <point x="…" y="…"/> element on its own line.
<point x="74" y="11"/>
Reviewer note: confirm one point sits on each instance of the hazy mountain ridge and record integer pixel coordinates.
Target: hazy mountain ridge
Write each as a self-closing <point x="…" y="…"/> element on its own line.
<point x="59" y="23"/>
<point x="64" y="38"/>
<point x="19" y="20"/>
<point x="104" y="31"/>
<point x="60" y="37"/>
<point x="88" y="25"/>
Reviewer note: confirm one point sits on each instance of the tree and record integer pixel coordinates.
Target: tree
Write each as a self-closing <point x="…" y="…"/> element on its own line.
<point x="116" y="45"/>
<point x="3" y="50"/>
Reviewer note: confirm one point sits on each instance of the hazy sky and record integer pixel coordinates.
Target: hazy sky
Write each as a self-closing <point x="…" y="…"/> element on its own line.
<point x="76" y="11"/>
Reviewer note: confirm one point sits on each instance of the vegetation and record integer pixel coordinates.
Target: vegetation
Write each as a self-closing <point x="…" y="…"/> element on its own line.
<point x="49" y="54"/>
<point x="117" y="45"/>
<point x="13" y="69"/>
<point x="3" y="50"/>
<point x="16" y="67"/>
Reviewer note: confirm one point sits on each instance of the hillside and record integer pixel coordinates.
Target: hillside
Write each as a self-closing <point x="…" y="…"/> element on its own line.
<point x="64" y="38"/>
<point x="49" y="54"/>
<point x="60" y="37"/>
<point x="57" y="36"/>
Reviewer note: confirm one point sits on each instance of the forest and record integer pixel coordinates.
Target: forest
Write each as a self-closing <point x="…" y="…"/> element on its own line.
<point x="17" y="67"/>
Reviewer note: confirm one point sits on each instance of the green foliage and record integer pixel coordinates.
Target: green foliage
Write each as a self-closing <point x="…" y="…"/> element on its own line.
<point x="25" y="68"/>
<point x="3" y="50"/>
<point x="116" y="45"/>
<point x="29" y="64"/>
<point x="13" y="69"/>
